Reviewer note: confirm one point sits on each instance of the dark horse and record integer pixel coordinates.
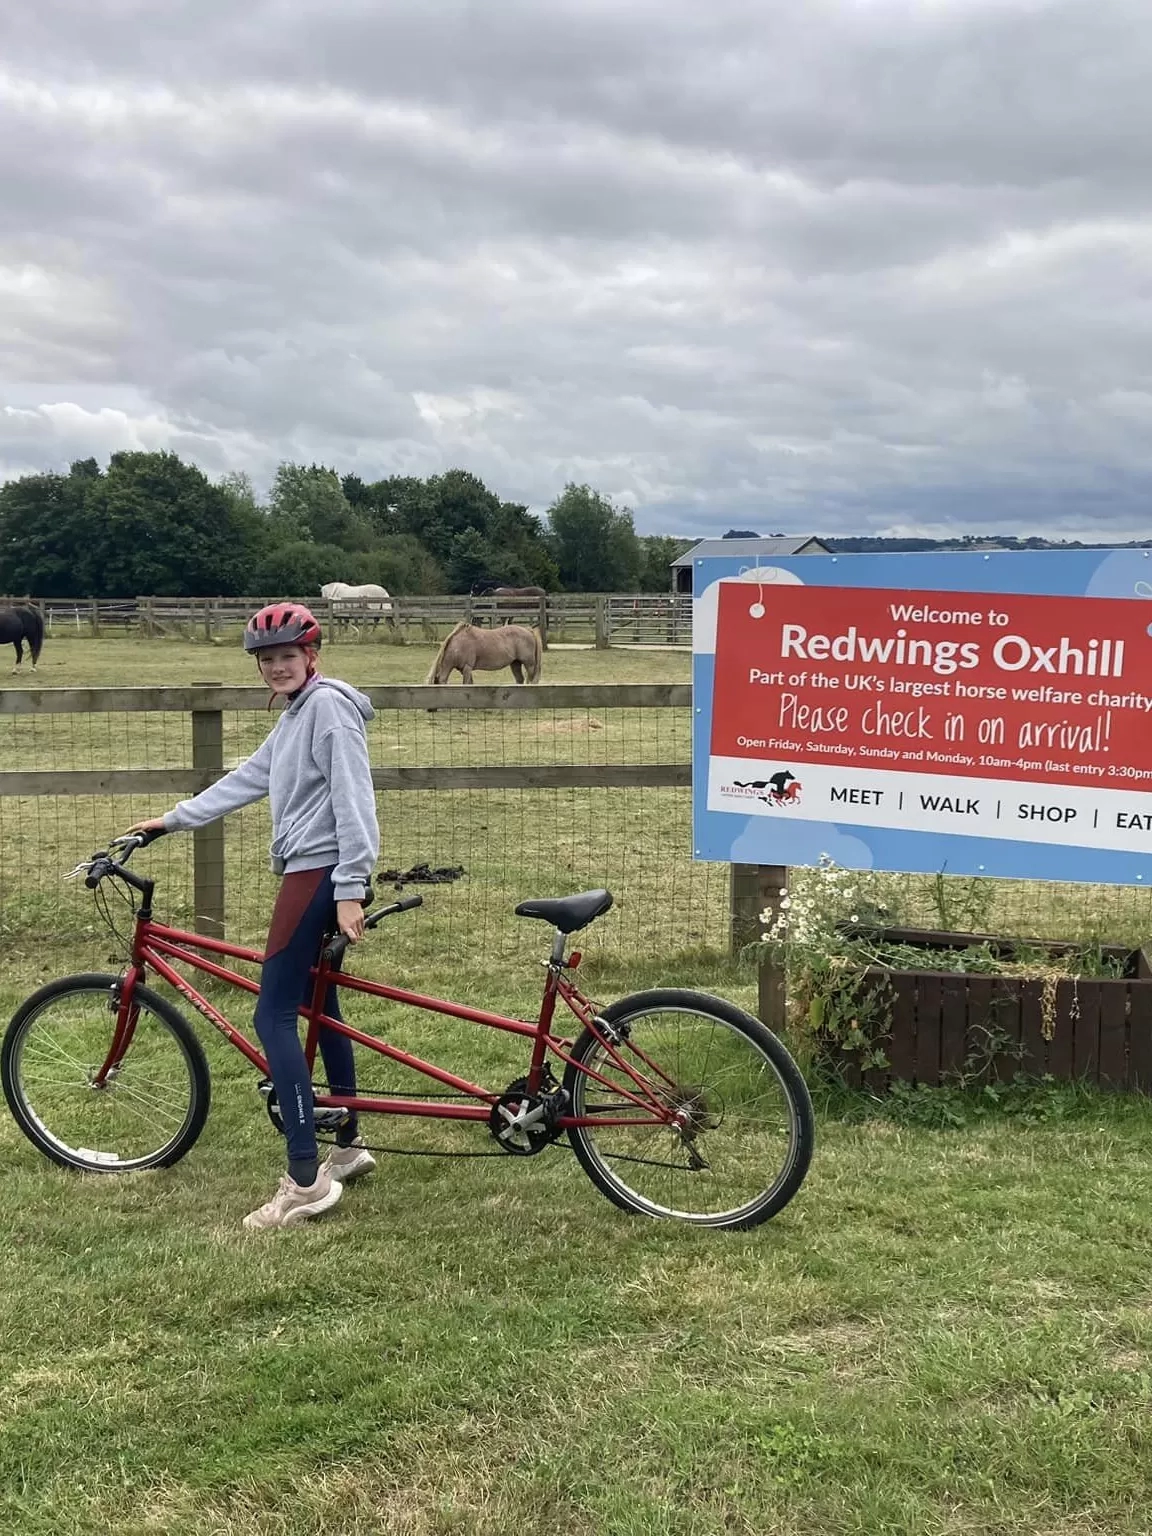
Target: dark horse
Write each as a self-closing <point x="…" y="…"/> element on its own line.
<point x="490" y="589"/>
<point x="18" y="625"/>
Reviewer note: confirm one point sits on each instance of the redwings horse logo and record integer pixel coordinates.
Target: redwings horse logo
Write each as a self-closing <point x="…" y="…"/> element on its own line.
<point x="783" y="788"/>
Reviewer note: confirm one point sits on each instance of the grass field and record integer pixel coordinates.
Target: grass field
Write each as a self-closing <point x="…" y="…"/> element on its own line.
<point x="946" y="1332"/>
<point x="71" y="663"/>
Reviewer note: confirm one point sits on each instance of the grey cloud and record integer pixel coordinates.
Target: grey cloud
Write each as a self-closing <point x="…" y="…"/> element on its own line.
<point x="839" y="265"/>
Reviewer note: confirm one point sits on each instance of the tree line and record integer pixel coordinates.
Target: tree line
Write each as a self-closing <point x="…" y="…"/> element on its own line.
<point x="150" y="523"/>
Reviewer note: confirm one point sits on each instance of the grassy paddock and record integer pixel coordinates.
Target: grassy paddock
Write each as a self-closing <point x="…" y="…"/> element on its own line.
<point x="72" y="663"/>
<point x="947" y="1331"/>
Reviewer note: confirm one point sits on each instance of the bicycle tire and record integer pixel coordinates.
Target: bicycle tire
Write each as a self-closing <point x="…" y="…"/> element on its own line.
<point x="119" y="1112"/>
<point x="703" y="1093"/>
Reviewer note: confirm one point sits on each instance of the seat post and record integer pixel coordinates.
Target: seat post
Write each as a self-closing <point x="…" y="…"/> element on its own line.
<point x="558" y="942"/>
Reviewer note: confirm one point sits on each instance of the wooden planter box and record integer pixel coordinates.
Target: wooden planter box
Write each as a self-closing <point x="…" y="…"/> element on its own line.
<point x="1097" y="1030"/>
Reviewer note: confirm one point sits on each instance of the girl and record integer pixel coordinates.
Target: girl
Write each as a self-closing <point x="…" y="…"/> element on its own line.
<point x="313" y="766"/>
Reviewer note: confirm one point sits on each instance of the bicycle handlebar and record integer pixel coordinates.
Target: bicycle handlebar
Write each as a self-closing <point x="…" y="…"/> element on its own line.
<point x="130" y="841"/>
<point x="335" y="950"/>
<point x="102" y="864"/>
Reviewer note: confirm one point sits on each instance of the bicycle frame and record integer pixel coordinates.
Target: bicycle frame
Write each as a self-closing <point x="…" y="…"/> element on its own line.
<point x="155" y="945"/>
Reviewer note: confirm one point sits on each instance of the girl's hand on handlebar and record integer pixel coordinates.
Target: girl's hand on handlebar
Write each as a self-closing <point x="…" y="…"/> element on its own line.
<point x="155" y="824"/>
<point x="350" y="920"/>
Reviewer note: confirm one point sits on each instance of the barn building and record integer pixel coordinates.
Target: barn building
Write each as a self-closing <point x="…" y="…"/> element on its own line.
<point x="755" y="551"/>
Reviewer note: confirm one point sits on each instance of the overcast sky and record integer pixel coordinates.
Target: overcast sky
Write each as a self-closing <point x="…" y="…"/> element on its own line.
<point x="826" y="266"/>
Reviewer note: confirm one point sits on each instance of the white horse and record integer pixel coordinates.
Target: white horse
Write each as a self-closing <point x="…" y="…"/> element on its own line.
<point x="369" y="601"/>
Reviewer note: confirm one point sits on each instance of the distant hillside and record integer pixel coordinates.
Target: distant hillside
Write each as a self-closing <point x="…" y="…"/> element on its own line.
<point x="859" y="546"/>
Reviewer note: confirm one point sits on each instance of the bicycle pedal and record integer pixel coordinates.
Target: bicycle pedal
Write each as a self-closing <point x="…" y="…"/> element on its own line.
<point x="325" y="1119"/>
<point x="329" y="1119"/>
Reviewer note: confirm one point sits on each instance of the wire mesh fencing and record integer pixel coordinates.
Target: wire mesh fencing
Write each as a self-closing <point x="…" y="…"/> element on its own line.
<point x="587" y="788"/>
<point x="527" y="792"/>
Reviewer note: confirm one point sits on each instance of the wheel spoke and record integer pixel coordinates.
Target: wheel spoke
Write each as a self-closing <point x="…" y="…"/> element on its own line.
<point x="742" y="1125"/>
<point x="148" y="1109"/>
<point x="53" y="1050"/>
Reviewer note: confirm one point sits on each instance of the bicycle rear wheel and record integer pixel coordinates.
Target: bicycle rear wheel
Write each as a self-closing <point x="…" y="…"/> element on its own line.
<point x="152" y="1106"/>
<point x="744" y="1133"/>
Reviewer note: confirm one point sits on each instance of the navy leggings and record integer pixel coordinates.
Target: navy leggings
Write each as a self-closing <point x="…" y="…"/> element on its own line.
<point x="305" y="913"/>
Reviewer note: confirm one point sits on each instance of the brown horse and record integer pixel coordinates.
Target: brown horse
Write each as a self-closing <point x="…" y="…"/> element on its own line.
<point x="487" y="650"/>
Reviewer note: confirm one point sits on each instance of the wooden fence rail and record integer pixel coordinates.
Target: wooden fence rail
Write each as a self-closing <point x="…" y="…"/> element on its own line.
<point x="603" y="619"/>
<point x="219" y="696"/>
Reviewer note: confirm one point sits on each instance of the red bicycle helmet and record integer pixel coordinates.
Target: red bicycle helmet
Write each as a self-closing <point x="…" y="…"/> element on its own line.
<point x="282" y="624"/>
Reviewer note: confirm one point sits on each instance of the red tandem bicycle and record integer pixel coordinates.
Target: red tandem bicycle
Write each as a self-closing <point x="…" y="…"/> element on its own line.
<point x="677" y="1104"/>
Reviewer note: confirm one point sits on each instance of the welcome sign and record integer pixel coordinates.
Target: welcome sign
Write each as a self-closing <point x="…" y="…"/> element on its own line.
<point x="927" y="727"/>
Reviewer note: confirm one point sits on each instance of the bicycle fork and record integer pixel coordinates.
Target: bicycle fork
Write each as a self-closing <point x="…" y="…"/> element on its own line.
<point x="120" y="1002"/>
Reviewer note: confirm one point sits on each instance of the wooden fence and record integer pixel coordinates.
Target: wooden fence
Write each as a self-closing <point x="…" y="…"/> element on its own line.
<point x="205" y="706"/>
<point x="949" y="1026"/>
<point x="601" y="619"/>
<point x="944" y="1026"/>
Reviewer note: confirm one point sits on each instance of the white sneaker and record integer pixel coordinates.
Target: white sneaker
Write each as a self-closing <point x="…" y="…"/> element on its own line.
<point x="293" y="1203"/>
<point x="348" y="1163"/>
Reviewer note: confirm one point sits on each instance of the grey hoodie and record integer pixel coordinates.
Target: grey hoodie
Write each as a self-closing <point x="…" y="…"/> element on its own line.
<point x="313" y="766"/>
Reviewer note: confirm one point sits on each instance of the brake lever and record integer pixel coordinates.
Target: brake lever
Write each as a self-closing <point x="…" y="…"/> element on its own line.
<point x="81" y="869"/>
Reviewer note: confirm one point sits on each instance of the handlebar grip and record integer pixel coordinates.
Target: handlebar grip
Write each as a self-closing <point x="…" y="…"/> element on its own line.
<point x="100" y="868"/>
<point x="407" y="905"/>
<point x="127" y="844"/>
<point x="334" y="951"/>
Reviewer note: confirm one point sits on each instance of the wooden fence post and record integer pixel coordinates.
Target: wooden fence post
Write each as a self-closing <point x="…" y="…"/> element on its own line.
<point x="602" y="629"/>
<point x="208" y="842"/>
<point x="208" y="618"/>
<point x="753" y="889"/>
<point x="743" y="907"/>
<point x="543" y="623"/>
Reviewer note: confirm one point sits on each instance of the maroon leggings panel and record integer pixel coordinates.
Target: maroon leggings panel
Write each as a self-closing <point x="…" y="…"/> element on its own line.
<point x="292" y="901"/>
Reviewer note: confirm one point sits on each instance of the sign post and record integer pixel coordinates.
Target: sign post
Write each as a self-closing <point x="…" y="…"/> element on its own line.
<point x="966" y="714"/>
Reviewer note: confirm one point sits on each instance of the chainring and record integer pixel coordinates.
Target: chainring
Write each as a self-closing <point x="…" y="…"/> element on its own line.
<point x="325" y="1119"/>
<point x="524" y="1123"/>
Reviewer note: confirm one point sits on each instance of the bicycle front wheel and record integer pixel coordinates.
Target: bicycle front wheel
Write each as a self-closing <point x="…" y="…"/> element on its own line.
<point x="739" y="1132"/>
<point x="151" y="1106"/>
